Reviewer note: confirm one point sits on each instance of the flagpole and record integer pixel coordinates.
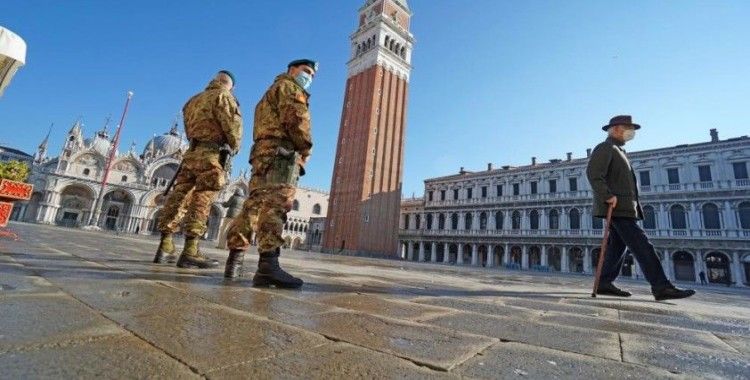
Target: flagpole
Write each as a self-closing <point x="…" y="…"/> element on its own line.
<point x="115" y="142"/>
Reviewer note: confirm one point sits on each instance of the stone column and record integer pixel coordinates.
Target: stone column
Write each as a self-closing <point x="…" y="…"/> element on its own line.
<point x="433" y="252"/>
<point x="666" y="264"/>
<point x="524" y="257"/>
<point x="461" y="221"/>
<point x="728" y="215"/>
<point x="565" y="264"/>
<point x="545" y="258"/>
<point x="491" y="220"/>
<point x="410" y="251"/>
<point x="587" y="260"/>
<point x="475" y="221"/>
<point x="636" y="272"/>
<point x="491" y="255"/>
<point x="474" y="254"/>
<point x="421" y="251"/>
<point x="736" y="269"/>
<point x="698" y="266"/>
<point x="446" y="253"/>
<point x="460" y="257"/>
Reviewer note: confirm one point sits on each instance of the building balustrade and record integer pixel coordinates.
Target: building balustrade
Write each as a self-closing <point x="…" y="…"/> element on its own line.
<point x="689" y="233"/>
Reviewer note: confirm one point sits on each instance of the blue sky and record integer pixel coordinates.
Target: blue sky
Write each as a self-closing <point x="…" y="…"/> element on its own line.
<point x="493" y="81"/>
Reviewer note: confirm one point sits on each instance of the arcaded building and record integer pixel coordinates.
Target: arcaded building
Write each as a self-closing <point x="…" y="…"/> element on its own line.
<point x="696" y="200"/>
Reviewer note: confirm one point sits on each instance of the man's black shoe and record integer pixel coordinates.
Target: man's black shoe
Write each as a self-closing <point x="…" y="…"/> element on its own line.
<point x="611" y="290"/>
<point x="270" y="273"/>
<point x="233" y="268"/>
<point x="198" y="261"/>
<point x="672" y="293"/>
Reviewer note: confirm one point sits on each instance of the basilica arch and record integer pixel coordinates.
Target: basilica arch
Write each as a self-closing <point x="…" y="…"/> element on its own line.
<point x="76" y="202"/>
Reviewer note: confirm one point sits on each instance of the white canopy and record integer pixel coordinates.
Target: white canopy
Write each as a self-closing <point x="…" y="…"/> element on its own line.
<point x="12" y="56"/>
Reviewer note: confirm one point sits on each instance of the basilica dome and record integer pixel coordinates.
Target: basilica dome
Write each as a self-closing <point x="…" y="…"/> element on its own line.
<point x="165" y="144"/>
<point x="99" y="143"/>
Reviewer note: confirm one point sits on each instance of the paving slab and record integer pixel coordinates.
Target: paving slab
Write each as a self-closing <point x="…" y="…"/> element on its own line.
<point x="118" y="357"/>
<point x="331" y="361"/>
<point x="596" y="343"/>
<point x="739" y="343"/>
<point x="428" y="345"/>
<point x="543" y="305"/>
<point x="375" y="305"/>
<point x="516" y="360"/>
<point x="209" y="337"/>
<point x="32" y="319"/>
<point x="133" y="295"/>
<point x="717" y="325"/>
<point x="682" y="358"/>
<point x="477" y="306"/>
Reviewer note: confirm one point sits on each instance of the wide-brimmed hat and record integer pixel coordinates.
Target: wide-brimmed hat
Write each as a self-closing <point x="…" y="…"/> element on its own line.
<point x="621" y="120"/>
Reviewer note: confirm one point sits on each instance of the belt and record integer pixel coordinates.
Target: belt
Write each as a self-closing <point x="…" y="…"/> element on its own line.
<point x="204" y="144"/>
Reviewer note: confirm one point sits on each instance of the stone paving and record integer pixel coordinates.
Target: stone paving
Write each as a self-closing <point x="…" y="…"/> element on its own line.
<point x="78" y="304"/>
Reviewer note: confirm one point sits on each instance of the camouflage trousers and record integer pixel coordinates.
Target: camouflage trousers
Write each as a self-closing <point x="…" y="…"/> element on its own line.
<point x="264" y="212"/>
<point x="200" y="179"/>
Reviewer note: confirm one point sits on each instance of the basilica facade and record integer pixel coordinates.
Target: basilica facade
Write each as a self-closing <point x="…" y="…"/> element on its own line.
<point x="67" y="186"/>
<point x="696" y="201"/>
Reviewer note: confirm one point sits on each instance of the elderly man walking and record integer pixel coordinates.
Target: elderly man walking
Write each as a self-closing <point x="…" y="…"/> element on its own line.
<point x="613" y="183"/>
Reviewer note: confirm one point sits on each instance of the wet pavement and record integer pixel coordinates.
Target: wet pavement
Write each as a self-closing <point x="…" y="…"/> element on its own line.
<point x="78" y="304"/>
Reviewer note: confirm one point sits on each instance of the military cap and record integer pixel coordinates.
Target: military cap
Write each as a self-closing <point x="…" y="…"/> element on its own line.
<point x="229" y="73"/>
<point x="308" y="62"/>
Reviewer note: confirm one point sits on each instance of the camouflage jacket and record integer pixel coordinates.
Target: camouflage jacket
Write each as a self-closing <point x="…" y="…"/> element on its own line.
<point x="234" y="205"/>
<point x="213" y="116"/>
<point x="282" y="118"/>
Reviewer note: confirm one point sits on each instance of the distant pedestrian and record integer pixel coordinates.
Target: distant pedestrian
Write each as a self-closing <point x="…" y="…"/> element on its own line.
<point x="702" y="275"/>
<point x="613" y="183"/>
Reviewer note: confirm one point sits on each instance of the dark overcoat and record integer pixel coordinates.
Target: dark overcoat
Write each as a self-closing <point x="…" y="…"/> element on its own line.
<point x="609" y="173"/>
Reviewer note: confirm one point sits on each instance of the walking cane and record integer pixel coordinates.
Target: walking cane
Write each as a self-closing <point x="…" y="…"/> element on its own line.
<point x="602" y="250"/>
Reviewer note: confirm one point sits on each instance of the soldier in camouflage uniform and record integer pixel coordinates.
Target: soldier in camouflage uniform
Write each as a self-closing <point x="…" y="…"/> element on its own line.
<point x="234" y="207"/>
<point x="212" y="122"/>
<point x="282" y="144"/>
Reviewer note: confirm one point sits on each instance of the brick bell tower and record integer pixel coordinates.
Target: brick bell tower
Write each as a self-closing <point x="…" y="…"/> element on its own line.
<point x="363" y="210"/>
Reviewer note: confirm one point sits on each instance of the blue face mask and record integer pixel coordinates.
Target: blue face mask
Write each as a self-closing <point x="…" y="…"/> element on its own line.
<point x="304" y="79"/>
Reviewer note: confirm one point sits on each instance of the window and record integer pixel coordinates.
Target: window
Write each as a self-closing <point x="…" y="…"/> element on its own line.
<point x="86" y="171"/>
<point x="575" y="219"/>
<point x="499" y="190"/>
<point x="533" y="187"/>
<point x="744" y="213"/>
<point x="295" y="205"/>
<point x="454" y="221"/>
<point x="429" y="196"/>
<point x="704" y="173"/>
<point x="467" y="221"/>
<point x="468" y="193"/>
<point x="534" y="220"/>
<point x="429" y="221"/>
<point x="515" y="220"/>
<point x="483" y="221"/>
<point x="499" y="220"/>
<point x="554" y="220"/>
<point x="418" y="221"/>
<point x="711" y="217"/>
<point x="673" y="176"/>
<point x="573" y="184"/>
<point x="442" y="195"/>
<point x="649" y="218"/>
<point x="596" y="223"/>
<point x="484" y="191"/>
<point x="677" y="213"/>
<point x="124" y="178"/>
<point x="316" y="209"/>
<point x="552" y="186"/>
<point x="455" y="194"/>
<point x="441" y="221"/>
<point x="740" y="170"/>
<point x="645" y="177"/>
<point x="406" y="221"/>
<point x="516" y="189"/>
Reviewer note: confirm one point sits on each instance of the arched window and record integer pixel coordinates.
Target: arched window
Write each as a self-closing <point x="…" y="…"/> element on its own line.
<point x="387" y="39"/>
<point x="316" y="209"/>
<point x="677" y="214"/>
<point x="418" y="220"/>
<point x="86" y="171"/>
<point x="454" y="221"/>
<point x="744" y="213"/>
<point x="649" y="218"/>
<point x="575" y="219"/>
<point x="403" y="52"/>
<point x="554" y="220"/>
<point x="596" y="223"/>
<point x="483" y="221"/>
<point x="286" y="226"/>
<point x="515" y="220"/>
<point x="406" y="221"/>
<point x="534" y="220"/>
<point x="441" y="221"/>
<point x="499" y="220"/>
<point x="390" y="46"/>
<point x="467" y="221"/>
<point x="124" y="178"/>
<point x="429" y="221"/>
<point x="711" y="217"/>
<point x="295" y="205"/>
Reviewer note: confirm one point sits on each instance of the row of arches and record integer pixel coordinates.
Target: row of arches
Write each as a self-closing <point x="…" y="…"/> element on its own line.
<point x="295" y="227"/>
<point x="389" y="43"/>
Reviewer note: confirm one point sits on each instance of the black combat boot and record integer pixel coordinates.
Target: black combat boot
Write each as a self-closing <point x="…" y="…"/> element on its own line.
<point x="233" y="269"/>
<point x="192" y="258"/>
<point x="165" y="252"/>
<point x="270" y="273"/>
